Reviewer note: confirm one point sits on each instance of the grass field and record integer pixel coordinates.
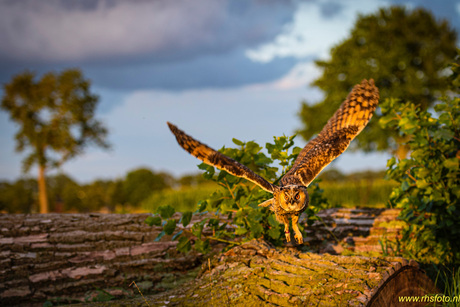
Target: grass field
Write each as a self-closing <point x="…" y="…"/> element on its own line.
<point x="355" y="193"/>
<point x="358" y="193"/>
<point x="184" y="199"/>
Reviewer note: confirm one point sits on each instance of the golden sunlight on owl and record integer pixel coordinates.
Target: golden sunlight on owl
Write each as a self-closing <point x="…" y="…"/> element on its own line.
<point x="290" y="198"/>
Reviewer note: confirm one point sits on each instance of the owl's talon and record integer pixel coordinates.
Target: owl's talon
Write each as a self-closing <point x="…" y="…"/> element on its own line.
<point x="298" y="237"/>
<point x="288" y="236"/>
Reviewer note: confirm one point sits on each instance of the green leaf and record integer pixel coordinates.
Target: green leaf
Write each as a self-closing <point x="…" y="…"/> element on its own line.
<point x="166" y="211"/>
<point x="202" y="204"/>
<point x="252" y="147"/>
<point x="177" y="235"/>
<point x="153" y="220"/>
<point x="186" y="218"/>
<point x="240" y="231"/>
<point x="237" y="142"/>
<point x="422" y="184"/>
<point x="443" y="134"/>
<point x="160" y="235"/>
<point x="451" y="164"/>
<point x="197" y="228"/>
<point x="256" y="229"/>
<point x="170" y="227"/>
<point x="274" y="233"/>
<point x="405" y="185"/>
<point x="202" y="246"/>
<point x="272" y="221"/>
<point x="184" y="245"/>
<point x="391" y="162"/>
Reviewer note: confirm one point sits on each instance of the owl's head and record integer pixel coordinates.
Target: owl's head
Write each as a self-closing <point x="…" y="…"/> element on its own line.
<point x="290" y="198"/>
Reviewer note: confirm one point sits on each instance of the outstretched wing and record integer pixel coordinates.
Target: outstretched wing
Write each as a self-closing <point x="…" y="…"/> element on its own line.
<point x="348" y="121"/>
<point x="215" y="158"/>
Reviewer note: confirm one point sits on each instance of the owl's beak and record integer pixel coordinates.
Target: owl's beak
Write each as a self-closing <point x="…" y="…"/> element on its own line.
<point x="266" y="203"/>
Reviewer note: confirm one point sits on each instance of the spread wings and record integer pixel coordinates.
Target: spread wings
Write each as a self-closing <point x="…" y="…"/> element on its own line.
<point x="346" y="123"/>
<point x="215" y="158"/>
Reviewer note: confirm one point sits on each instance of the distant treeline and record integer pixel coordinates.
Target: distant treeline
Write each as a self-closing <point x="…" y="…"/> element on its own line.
<point x="67" y="195"/>
<point x="144" y="189"/>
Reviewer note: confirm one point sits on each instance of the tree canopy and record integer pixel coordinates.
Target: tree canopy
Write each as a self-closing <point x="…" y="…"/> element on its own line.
<point x="140" y="183"/>
<point x="56" y="119"/>
<point x="405" y="51"/>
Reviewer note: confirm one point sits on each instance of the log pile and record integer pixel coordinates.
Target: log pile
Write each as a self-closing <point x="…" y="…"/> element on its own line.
<point x="71" y="256"/>
<point x="67" y="255"/>
<point x="362" y="230"/>
<point x="258" y="274"/>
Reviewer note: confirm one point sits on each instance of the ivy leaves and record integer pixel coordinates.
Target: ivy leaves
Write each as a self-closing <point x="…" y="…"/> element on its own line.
<point x="231" y="214"/>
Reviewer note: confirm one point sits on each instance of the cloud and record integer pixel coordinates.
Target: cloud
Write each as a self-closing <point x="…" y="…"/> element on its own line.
<point x="57" y="31"/>
<point x="232" y="70"/>
<point x="448" y="9"/>
<point x="316" y="27"/>
<point x="302" y="74"/>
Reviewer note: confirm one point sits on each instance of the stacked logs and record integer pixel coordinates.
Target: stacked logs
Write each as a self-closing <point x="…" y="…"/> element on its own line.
<point x="44" y="257"/>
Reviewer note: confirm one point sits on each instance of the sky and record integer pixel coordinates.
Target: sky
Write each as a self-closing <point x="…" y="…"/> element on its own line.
<point x="218" y="69"/>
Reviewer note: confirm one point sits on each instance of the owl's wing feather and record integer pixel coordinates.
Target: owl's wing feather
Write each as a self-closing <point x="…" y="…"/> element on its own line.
<point x="346" y="123"/>
<point x="215" y="158"/>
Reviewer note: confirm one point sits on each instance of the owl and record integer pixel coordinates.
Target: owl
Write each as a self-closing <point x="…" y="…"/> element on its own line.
<point x="290" y="197"/>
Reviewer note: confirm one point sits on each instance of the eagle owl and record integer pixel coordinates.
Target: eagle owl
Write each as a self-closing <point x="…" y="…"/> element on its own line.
<point x="290" y="198"/>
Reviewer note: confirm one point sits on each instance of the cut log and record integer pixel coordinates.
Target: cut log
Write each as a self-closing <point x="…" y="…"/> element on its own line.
<point x="71" y="255"/>
<point x="258" y="274"/>
<point x="44" y="256"/>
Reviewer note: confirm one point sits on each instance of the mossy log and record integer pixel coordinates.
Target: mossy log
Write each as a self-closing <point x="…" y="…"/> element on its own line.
<point x="258" y="274"/>
<point x="68" y="255"/>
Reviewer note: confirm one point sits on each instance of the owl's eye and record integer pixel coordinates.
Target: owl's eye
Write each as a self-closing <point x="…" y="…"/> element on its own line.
<point x="285" y="197"/>
<point x="297" y="196"/>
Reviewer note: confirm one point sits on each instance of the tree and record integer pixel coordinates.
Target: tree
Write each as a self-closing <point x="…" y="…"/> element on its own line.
<point x="405" y="52"/>
<point x="18" y="197"/>
<point x="56" y="119"/>
<point x="64" y="193"/>
<point x="140" y="183"/>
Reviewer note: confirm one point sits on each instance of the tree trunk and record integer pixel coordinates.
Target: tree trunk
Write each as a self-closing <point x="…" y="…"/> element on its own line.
<point x="42" y="195"/>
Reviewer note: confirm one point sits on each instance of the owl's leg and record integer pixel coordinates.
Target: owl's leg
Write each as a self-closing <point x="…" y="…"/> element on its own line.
<point x="284" y="220"/>
<point x="297" y="234"/>
<point x="287" y="233"/>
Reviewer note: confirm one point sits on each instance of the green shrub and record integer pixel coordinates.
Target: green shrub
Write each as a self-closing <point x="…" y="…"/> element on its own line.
<point x="429" y="181"/>
<point x="235" y="215"/>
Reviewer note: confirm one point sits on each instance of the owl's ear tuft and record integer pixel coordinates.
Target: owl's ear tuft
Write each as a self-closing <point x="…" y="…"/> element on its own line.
<point x="267" y="203"/>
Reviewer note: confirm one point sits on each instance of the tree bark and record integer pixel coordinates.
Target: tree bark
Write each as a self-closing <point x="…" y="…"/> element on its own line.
<point x="258" y="274"/>
<point x="72" y="256"/>
<point x="42" y="194"/>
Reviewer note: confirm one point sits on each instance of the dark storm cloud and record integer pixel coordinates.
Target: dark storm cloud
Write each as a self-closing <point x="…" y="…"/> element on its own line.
<point x="210" y="72"/>
<point x="331" y="8"/>
<point x="124" y="43"/>
<point x="446" y="9"/>
<point x="56" y="31"/>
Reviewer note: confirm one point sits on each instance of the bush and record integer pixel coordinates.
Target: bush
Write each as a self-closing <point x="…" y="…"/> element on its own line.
<point x="429" y="181"/>
<point x="234" y="212"/>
